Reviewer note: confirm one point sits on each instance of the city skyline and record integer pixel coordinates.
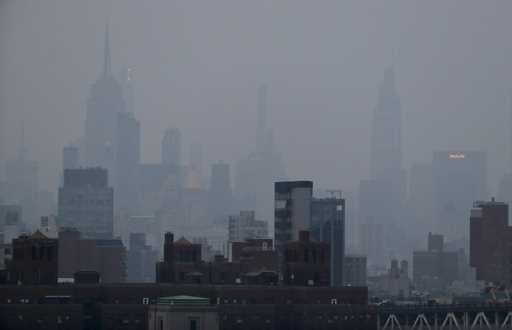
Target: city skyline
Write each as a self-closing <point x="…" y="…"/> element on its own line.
<point x="334" y="96"/>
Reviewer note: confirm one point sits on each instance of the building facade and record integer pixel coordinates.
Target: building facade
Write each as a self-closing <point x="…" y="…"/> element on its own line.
<point x="490" y="236"/>
<point x="34" y="260"/>
<point x="292" y="210"/>
<point x="245" y="226"/>
<point x="328" y="225"/>
<point x="86" y="203"/>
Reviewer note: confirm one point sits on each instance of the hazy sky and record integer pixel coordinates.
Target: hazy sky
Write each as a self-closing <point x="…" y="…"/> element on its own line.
<point x="198" y="65"/>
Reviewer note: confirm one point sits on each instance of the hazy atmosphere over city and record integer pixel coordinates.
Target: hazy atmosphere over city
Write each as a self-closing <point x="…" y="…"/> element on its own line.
<point x="197" y="66"/>
<point x="255" y="164"/>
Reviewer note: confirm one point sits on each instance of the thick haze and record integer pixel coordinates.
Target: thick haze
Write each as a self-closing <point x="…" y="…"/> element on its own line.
<point x="198" y="65"/>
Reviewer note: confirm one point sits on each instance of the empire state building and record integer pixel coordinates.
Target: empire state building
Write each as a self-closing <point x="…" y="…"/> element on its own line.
<point x="104" y="103"/>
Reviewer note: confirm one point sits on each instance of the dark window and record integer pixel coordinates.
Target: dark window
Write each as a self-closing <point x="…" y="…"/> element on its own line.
<point x="34" y="253"/>
<point x="193" y="323"/>
<point x="161" y="324"/>
<point x="50" y="252"/>
<point x="306" y="255"/>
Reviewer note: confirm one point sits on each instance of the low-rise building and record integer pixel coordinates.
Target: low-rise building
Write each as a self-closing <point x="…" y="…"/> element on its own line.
<point x="183" y="313"/>
<point x="435" y="268"/>
<point x="34" y="260"/>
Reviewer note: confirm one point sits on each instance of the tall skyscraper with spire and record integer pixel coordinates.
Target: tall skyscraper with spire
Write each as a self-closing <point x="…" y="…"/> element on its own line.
<point x="256" y="174"/>
<point x="386" y="140"/>
<point x="381" y="199"/>
<point x="104" y="103"/>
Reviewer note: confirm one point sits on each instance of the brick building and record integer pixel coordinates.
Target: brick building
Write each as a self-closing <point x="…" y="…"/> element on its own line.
<point x="106" y="256"/>
<point x="490" y="242"/>
<point x="34" y="260"/>
<point x="306" y="262"/>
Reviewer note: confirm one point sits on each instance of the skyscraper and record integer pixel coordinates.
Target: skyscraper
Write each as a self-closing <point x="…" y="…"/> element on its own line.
<point x="127" y="159"/>
<point x="386" y="139"/>
<point x="220" y="193"/>
<point x="86" y="202"/>
<point x="104" y="102"/>
<point x="292" y="210"/>
<point x="171" y="147"/>
<point x="459" y="179"/>
<point x="328" y="225"/>
<point x="386" y="186"/>
<point x="256" y="173"/>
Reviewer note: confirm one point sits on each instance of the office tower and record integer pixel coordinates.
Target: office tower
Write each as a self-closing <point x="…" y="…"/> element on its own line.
<point x="126" y="161"/>
<point x="70" y="157"/>
<point x="245" y="226"/>
<point x="292" y="210"/>
<point x="104" y="102"/>
<point x="256" y="173"/>
<point x="328" y="225"/>
<point x="34" y="260"/>
<point x="459" y="179"/>
<point x="171" y="147"/>
<point x="220" y="193"/>
<point x="489" y="245"/>
<point x="86" y="202"/>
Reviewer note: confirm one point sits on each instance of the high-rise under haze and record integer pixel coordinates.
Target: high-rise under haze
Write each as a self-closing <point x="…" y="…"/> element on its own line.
<point x="86" y="203"/>
<point x="386" y="139"/>
<point x="104" y="102"/>
<point x="171" y="147"/>
<point x="380" y="220"/>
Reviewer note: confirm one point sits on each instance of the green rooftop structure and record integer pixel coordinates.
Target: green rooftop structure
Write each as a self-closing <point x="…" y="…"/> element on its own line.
<point x="183" y="300"/>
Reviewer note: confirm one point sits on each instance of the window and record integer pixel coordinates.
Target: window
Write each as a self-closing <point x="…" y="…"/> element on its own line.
<point x="193" y="323"/>
<point x="161" y="324"/>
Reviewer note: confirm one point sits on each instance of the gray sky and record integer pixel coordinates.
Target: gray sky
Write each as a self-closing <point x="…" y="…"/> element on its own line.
<point x="198" y="65"/>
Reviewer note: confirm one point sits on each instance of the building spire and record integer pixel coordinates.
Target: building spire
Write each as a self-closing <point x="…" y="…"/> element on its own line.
<point x="107" y="70"/>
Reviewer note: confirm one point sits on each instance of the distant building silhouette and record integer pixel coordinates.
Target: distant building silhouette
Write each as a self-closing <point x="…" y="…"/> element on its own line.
<point x="70" y="157"/>
<point x="459" y="179"/>
<point x="104" y="102"/>
<point x="171" y="147"/>
<point x="127" y="161"/>
<point x="256" y="173"/>
<point x="220" y="193"/>
<point x="387" y="178"/>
